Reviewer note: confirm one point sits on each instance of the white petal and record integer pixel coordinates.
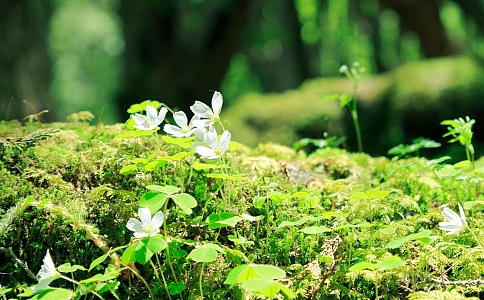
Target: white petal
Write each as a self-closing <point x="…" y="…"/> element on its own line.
<point x="139" y="119"/>
<point x="158" y="219"/>
<point x="217" y="101"/>
<point x="173" y="130"/>
<point x="134" y="225"/>
<point x="201" y="109"/>
<point x="47" y="273"/>
<point x="144" y="215"/>
<point x="205" y="152"/>
<point x="140" y="234"/>
<point x="450" y="215"/>
<point x="462" y="215"/>
<point x="161" y="116"/>
<point x="211" y="139"/>
<point x="225" y="140"/>
<point x="151" y="112"/>
<point x="180" y="119"/>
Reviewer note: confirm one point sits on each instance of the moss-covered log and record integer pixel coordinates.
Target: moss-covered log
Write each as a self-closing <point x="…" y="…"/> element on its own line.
<point x="395" y="107"/>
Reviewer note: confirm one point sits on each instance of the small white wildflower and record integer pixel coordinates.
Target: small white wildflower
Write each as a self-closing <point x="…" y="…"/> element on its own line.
<point x="208" y="115"/>
<point x="214" y="147"/>
<point x="453" y="222"/>
<point x="183" y="129"/>
<point x="148" y="226"/>
<point x="343" y="69"/>
<point x="47" y="273"/>
<point x="151" y="120"/>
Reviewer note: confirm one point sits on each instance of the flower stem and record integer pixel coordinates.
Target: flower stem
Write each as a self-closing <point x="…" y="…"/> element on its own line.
<point x="200" y="281"/>
<point x="475" y="237"/>
<point x="79" y="284"/>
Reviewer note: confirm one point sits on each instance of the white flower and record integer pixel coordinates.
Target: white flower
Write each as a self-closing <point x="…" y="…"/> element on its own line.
<point x="183" y="129"/>
<point x="214" y="147"/>
<point x="209" y="115"/>
<point x="148" y="226"/>
<point x="151" y="120"/>
<point x="454" y="223"/>
<point x="47" y="273"/>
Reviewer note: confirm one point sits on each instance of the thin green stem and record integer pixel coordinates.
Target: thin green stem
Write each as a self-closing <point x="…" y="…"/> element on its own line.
<point x="142" y="280"/>
<point x="79" y="284"/>
<point x="475" y="237"/>
<point x="161" y="272"/>
<point x="165" y="232"/>
<point x="200" y="281"/>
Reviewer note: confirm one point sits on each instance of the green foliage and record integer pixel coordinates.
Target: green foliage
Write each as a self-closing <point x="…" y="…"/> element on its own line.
<point x="265" y="233"/>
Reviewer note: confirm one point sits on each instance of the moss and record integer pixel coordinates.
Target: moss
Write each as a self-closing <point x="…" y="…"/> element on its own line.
<point x="396" y="107"/>
<point x="81" y="203"/>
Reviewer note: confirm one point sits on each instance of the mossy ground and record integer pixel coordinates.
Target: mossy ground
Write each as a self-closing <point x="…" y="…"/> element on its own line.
<point x="62" y="190"/>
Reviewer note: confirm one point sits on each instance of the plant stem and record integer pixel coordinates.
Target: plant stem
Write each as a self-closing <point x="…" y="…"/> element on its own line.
<point x="142" y="280"/>
<point x="77" y="283"/>
<point x="162" y="276"/>
<point x="200" y="281"/>
<point x="354" y="115"/>
<point x="168" y="256"/>
<point x="475" y="237"/>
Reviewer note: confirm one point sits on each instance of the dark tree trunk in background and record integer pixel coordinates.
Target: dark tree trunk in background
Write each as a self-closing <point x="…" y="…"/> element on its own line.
<point x="178" y="51"/>
<point x="423" y="18"/>
<point x="25" y="67"/>
<point x="473" y="9"/>
<point x="279" y="59"/>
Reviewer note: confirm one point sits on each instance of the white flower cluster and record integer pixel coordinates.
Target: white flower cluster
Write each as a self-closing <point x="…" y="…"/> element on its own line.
<point x="201" y="126"/>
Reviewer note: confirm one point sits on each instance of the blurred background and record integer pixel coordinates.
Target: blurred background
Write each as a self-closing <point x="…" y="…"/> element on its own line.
<point x="67" y="56"/>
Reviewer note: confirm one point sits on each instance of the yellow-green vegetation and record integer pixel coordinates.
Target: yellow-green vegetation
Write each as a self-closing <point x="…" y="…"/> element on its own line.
<point x="262" y="222"/>
<point x="394" y="107"/>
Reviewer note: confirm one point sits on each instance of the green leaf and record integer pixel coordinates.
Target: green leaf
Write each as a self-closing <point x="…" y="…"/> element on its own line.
<point x="258" y="202"/>
<point x="325" y="259"/>
<point x="153" y="165"/>
<point x="185" y="201"/>
<point x="53" y="294"/>
<point x="184" y="143"/>
<point x="177" y="157"/>
<point x="364" y="265"/>
<point x="129" y="254"/>
<point x="67" y="268"/>
<point x="215" y="247"/>
<point x="230" y="221"/>
<point x="241" y="240"/>
<point x="146" y="247"/>
<point x="154" y="201"/>
<point x="128" y="169"/>
<point x="155" y="244"/>
<point x="462" y="164"/>
<point x="299" y="195"/>
<point x="226" y="177"/>
<point x="243" y="273"/>
<point x="447" y="171"/>
<point x="110" y="274"/>
<point x="396" y="243"/>
<point x="102" y="258"/>
<point x="470" y="204"/>
<point x="390" y="263"/>
<point x="266" y="287"/>
<point x="166" y="189"/>
<point x="203" y="254"/>
<point x="176" y="288"/>
<point x="315" y="229"/>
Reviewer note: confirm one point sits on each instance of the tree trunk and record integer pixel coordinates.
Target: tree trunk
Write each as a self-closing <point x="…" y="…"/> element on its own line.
<point x="178" y="51"/>
<point x="25" y="67"/>
<point x="423" y="18"/>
